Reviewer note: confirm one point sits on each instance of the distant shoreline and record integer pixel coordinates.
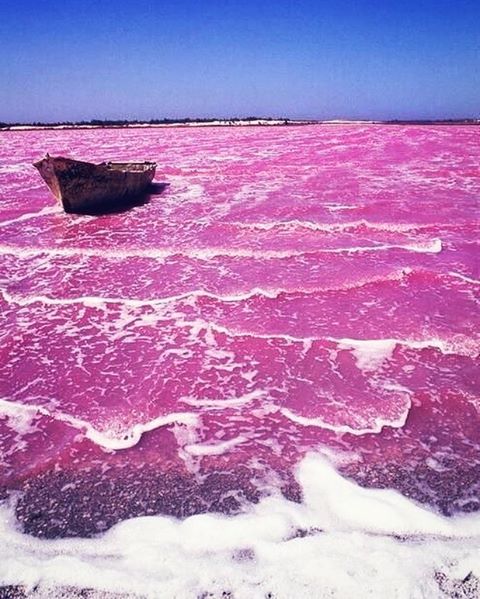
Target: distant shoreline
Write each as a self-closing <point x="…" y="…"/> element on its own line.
<point x="247" y="122"/>
<point x="155" y="124"/>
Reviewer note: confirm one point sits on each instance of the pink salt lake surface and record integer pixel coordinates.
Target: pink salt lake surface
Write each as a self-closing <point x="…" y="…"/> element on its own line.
<point x="292" y="289"/>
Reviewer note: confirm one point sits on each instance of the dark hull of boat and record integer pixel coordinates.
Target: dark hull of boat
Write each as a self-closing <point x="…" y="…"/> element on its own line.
<point x="85" y="187"/>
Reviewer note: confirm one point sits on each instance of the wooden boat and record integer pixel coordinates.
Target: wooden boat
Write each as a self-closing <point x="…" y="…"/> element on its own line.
<point x="84" y="187"/>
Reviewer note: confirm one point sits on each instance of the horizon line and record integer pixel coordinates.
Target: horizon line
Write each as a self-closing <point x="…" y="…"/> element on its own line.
<point x="107" y="122"/>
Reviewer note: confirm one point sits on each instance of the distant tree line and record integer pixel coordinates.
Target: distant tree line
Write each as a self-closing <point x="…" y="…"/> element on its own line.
<point x="188" y="120"/>
<point x="124" y="122"/>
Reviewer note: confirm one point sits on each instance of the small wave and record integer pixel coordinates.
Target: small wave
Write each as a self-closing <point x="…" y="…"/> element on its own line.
<point x="121" y="439"/>
<point x="371" y="353"/>
<point x="99" y="301"/>
<point x="30" y="215"/>
<point x="433" y="246"/>
<point x="217" y="448"/>
<point x="364" y="348"/>
<point x="340" y="207"/>
<point x="377" y="427"/>
<point x="330" y="227"/>
<point x="345" y="226"/>
<point x="269" y="293"/>
<point x="367" y="350"/>
<point x="221" y="404"/>
<point x="458" y="275"/>
<point x="8" y="169"/>
<point x="275" y="548"/>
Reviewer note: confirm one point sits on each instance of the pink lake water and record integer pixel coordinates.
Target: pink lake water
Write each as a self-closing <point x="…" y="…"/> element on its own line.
<point x="292" y="292"/>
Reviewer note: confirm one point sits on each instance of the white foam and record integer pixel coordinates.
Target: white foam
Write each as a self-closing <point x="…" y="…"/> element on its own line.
<point x="432" y="246"/>
<point x="30" y="215"/>
<point x="340" y="207"/>
<point x="124" y="439"/>
<point x="376" y="427"/>
<point x="365" y="349"/>
<point x="351" y="549"/>
<point x="13" y="168"/>
<point x="220" y="404"/>
<point x="332" y="227"/>
<point x="343" y="505"/>
<point x="214" y="448"/>
<point x="99" y="301"/>
<point x="18" y="419"/>
<point x="115" y="436"/>
<point x="370" y="354"/>
<point x="458" y="275"/>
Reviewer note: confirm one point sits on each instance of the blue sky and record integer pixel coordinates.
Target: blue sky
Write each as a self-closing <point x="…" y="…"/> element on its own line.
<point x="72" y="60"/>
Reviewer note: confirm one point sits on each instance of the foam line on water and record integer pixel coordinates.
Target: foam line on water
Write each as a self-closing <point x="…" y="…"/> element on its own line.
<point x="459" y="275"/>
<point x="30" y="215"/>
<point x="345" y="226"/>
<point x="99" y="301"/>
<point x="371" y="353"/>
<point x="383" y="348"/>
<point x="122" y="439"/>
<point x="327" y="227"/>
<point x="392" y="547"/>
<point x="432" y="246"/>
<point x="370" y="346"/>
<point x="214" y="448"/>
<point x="378" y="426"/>
<point x="468" y="347"/>
<point x="233" y="402"/>
<point x="344" y="505"/>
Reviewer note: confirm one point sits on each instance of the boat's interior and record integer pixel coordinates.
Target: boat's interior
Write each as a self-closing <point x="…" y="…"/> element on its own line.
<point x="130" y="166"/>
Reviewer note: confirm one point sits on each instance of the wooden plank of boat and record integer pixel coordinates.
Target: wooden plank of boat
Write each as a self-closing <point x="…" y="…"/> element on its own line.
<point x="83" y="186"/>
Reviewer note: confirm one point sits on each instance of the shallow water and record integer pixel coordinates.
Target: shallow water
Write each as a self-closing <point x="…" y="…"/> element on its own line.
<point x="293" y="292"/>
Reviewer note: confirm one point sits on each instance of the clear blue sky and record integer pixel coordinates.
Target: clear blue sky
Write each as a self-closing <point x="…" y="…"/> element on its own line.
<point x="72" y="60"/>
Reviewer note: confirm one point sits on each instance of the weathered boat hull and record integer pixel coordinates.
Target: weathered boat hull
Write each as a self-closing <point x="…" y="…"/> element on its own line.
<point x="83" y="186"/>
